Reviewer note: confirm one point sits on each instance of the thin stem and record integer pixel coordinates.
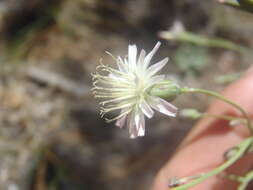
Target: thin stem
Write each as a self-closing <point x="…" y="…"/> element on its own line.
<point x="225" y="117"/>
<point x="220" y="97"/>
<point x="245" y="5"/>
<point x="194" y="114"/>
<point x="246" y="180"/>
<point x="242" y="148"/>
<point x="232" y="3"/>
<point x="200" y="40"/>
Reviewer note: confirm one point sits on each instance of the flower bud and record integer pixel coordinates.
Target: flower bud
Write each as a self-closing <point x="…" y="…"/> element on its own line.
<point x="190" y="113"/>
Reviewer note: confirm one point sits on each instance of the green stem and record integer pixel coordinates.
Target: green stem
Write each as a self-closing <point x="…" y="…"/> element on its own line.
<point x="220" y="97"/>
<point x="197" y="39"/>
<point x="194" y="114"/>
<point x="245" y="5"/>
<point x="224" y="117"/>
<point x="246" y="180"/>
<point x="232" y="3"/>
<point x="242" y="148"/>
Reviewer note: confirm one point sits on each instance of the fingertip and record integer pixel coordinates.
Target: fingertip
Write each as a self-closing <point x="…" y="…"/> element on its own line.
<point x="206" y="152"/>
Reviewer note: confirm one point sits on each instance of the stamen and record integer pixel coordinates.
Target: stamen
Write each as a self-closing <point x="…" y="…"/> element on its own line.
<point x="116" y="99"/>
<point x="113" y="94"/>
<point x="111" y="80"/>
<point x="117" y="117"/>
<point x="114" y="89"/>
<point x="116" y="107"/>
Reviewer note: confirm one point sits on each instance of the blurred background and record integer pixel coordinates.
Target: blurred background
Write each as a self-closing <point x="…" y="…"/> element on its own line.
<point x="52" y="137"/>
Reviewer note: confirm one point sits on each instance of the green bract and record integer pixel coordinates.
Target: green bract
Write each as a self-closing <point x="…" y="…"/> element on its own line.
<point x="166" y="89"/>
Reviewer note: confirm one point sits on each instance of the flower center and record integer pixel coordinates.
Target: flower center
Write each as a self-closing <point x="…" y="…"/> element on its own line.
<point x="140" y="86"/>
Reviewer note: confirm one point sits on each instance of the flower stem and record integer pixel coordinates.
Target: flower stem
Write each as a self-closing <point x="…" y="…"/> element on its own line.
<point x="196" y="39"/>
<point x="232" y="3"/>
<point x="242" y="148"/>
<point x="245" y="5"/>
<point x="220" y="97"/>
<point x="246" y="180"/>
<point x="194" y="114"/>
<point x="225" y="117"/>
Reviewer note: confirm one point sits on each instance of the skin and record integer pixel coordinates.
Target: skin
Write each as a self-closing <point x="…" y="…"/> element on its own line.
<point x="204" y="147"/>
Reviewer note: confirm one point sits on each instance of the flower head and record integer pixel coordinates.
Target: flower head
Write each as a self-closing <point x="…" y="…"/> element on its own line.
<point x="128" y="87"/>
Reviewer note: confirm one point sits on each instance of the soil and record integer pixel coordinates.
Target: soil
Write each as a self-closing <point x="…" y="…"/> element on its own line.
<point x="52" y="137"/>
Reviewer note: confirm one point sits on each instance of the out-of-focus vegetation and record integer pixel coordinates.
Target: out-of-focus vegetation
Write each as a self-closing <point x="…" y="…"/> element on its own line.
<point x="191" y="59"/>
<point x="244" y="5"/>
<point x="51" y="135"/>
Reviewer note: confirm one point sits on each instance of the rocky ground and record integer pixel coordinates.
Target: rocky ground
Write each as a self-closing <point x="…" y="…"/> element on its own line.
<point x="52" y="137"/>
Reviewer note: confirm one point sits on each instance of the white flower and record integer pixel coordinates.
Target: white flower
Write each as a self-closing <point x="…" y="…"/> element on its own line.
<point x="127" y="89"/>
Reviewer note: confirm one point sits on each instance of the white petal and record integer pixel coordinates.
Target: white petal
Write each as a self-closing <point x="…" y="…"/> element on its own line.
<point x="162" y="106"/>
<point x="118" y="99"/>
<point x="127" y="64"/>
<point x="140" y="123"/>
<point x="132" y="53"/>
<point x="121" y="65"/>
<point x="131" y="126"/>
<point x="121" y="60"/>
<point x="121" y="121"/>
<point x="157" y="67"/>
<point x="141" y="57"/>
<point x="117" y="78"/>
<point x="154" y="80"/>
<point x="146" y="109"/>
<point x="125" y="61"/>
<point x="151" y="54"/>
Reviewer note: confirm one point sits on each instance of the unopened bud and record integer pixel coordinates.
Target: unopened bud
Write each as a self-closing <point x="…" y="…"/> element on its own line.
<point x="190" y="113"/>
<point x="230" y="153"/>
<point x="236" y="122"/>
